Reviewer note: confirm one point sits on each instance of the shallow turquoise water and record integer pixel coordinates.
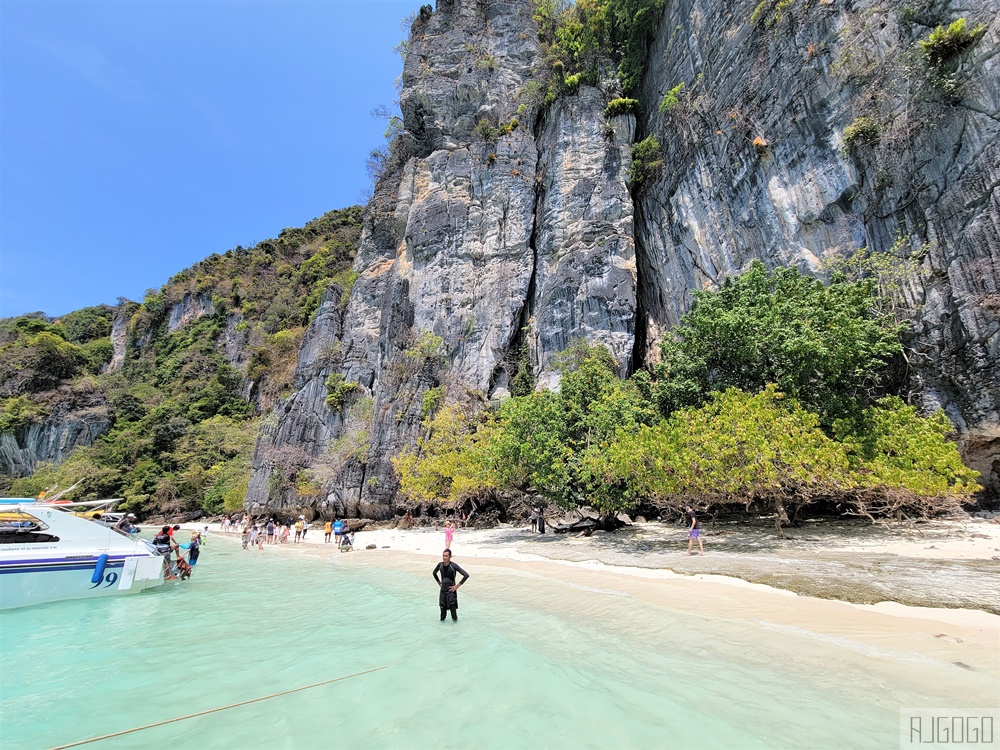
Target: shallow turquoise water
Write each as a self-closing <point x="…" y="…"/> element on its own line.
<point x="533" y="662"/>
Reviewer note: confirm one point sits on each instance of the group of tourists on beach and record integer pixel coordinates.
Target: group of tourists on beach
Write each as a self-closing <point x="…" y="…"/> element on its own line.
<point x="257" y="533"/>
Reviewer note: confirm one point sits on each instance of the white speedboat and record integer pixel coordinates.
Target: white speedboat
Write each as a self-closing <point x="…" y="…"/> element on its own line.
<point x="48" y="553"/>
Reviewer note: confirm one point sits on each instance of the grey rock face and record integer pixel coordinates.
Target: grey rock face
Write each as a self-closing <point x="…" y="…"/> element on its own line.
<point x="296" y="435"/>
<point x="528" y="230"/>
<point x="67" y="428"/>
<point x="475" y="243"/>
<point x="797" y="83"/>
<point x="585" y="273"/>
<point x="188" y="310"/>
<point x="119" y="338"/>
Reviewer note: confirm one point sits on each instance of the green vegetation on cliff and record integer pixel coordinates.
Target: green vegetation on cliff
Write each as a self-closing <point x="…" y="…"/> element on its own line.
<point x="184" y="404"/>
<point x="771" y="394"/>
<point x="584" y="38"/>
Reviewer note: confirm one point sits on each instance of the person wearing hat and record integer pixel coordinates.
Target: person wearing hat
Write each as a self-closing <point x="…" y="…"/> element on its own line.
<point x="194" y="549"/>
<point x="125" y="524"/>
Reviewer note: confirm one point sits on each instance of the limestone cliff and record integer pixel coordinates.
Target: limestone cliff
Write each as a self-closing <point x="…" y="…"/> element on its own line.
<point x="796" y="82"/>
<point x="486" y="232"/>
<point x="486" y="238"/>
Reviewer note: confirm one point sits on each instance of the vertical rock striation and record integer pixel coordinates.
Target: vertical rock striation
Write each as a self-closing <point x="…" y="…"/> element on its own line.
<point x="75" y="422"/>
<point x="494" y="226"/>
<point x="585" y="265"/>
<point x="491" y="228"/>
<point x="794" y="79"/>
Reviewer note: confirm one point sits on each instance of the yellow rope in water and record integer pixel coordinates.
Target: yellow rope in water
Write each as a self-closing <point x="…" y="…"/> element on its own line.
<point x="213" y="710"/>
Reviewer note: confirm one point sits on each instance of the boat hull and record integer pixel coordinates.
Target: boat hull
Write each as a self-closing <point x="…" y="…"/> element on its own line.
<point x="37" y="580"/>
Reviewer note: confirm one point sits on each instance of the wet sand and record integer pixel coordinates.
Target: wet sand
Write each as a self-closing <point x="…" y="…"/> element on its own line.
<point x="940" y="564"/>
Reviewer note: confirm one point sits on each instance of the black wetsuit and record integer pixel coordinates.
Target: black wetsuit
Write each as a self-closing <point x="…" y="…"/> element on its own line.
<point x="448" y="600"/>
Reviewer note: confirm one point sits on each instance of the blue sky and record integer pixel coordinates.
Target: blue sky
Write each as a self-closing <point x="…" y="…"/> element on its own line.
<point x="139" y="136"/>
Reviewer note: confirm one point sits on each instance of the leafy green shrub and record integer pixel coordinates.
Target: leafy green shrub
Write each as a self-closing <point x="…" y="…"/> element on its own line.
<point x="618" y="107"/>
<point x="893" y="446"/>
<point x="573" y="82"/>
<point x="87" y="324"/>
<point x="447" y="464"/>
<point x="671" y="99"/>
<point x="428" y="347"/>
<point x="892" y="272"/>
<point x="945" y="43"/>
<point x="306" y="484"/>
<point x="338" y="389"/>
<point x="509" y="127"/>
<point x="431" y="401"/>
<point x="485" y="63"/>
<point x="523" y="382"/>
<point x="486" y="131"/>
<point x="862" y="131"/>
<point x="587" y="35"/>
<point x="777" y="9"/>
<point x="19" y="411"/>
<point x="826" y="346"/>
<point x="98" y="353"/>
<point x="647" y="161"/>
<point x="735" y="448"/>
<point x="286" y="342"/>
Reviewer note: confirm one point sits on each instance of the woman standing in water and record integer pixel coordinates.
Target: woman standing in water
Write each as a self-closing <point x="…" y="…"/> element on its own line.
<point x="445" y="574"/>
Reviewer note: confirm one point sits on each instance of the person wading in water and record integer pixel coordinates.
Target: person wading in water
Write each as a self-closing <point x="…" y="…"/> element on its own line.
<point x="445" y="574"/>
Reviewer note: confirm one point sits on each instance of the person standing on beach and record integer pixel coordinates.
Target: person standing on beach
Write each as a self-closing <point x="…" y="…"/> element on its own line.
<point x="541" y="520"/>
<point x="534" y="520"/>
<point x="298" y="530"/>
<point x="445" y="574"/>
<point x="693" y="532"/>
<point x="449" y="533"/>
<point x="338" y="530"/>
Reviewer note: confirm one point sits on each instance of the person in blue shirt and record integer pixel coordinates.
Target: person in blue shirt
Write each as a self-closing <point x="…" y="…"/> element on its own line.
<point x="194" y="549"/>
<point x="338" y="530"/>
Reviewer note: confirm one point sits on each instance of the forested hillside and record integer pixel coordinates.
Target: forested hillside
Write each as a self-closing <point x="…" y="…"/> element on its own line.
<point x="177" y="407"/>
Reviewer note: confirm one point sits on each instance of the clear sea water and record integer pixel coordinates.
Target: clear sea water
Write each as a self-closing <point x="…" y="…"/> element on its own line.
<point x="534" y="662"/>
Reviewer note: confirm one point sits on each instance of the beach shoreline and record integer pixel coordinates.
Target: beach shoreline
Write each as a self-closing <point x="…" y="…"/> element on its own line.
<point x="944" y="564"/>
<point x="885" y="630"/>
